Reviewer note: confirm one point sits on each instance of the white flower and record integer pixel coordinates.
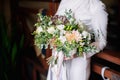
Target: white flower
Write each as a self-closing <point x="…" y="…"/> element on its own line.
<point x="62" y="32"/>
<point x="71" y="20"/>
<point x="62" y="39"/>
<point x="39" y="29"/>
<point x="89" y="36"/>
<point x="51" y="30"/>
<point x="50" y="23"/>
<point x="85" y="34"/>
<point x="60" y="27"/>
<point x="82" y="43"/>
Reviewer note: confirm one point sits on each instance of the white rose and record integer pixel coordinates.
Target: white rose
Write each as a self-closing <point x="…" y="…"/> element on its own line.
<point x="50" y="23"/>
<point x="85" y="34"/>
<point x="51" y="30"/>
<point x="89" y="36"/>
<point x="82" y="43"/>
<point x="60" y="27"/>
<point x="39" y="29"/>
<point x="62" y="39"/>
<point x="62" y="32"/>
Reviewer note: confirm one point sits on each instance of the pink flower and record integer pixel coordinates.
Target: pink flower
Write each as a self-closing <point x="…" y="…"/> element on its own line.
<point x="77" y="35"/>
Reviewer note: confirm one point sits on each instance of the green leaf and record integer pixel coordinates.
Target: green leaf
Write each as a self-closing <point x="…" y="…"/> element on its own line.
<point x="14" y="52"/>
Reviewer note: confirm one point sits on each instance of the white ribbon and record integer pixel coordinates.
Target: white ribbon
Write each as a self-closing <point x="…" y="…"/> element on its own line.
<point x="57" y="71"/>
<point x="103" y="71"/>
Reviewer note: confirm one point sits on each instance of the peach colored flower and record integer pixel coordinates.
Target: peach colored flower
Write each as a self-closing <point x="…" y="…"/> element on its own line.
<point x="70" y="36"/>
<point x="52" y="42"/>
<point x="78" y="36"/>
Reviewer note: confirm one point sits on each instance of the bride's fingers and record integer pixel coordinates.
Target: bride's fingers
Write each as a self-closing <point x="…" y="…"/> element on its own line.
<point x="68" y="58"/>
<point x="49" y="58"/>
<point x="71" y="57"/>
<point x="94" y="44"/>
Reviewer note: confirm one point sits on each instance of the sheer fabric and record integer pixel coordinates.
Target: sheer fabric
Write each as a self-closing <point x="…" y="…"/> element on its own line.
<point x="93" y="14"/>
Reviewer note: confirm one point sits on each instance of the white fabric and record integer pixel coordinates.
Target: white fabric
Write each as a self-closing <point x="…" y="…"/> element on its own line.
<point x="57" y="71"/>
<point x="80" y="69"/>
<point x="93" y="14"/>
<point x="90" y="12"/>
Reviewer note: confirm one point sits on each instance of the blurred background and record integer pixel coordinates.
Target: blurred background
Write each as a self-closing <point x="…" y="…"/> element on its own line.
<point x="20" y="59"/>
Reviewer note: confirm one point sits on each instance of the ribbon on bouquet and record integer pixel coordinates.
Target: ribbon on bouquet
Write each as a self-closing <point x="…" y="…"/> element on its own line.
<point x="57" y="71"/>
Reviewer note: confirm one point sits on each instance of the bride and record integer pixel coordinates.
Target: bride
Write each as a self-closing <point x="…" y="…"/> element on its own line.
<point x="93" y="14"/>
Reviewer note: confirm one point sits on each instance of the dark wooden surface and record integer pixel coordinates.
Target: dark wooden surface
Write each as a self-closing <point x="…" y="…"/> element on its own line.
<point x="108" y="72"/>
<point x="47" y="0"/>
<point x="106" y="58"/>
<point x="110" y="55"/>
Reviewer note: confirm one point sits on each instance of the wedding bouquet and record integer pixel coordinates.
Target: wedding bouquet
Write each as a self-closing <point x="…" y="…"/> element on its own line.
<point x="63" y="33"/>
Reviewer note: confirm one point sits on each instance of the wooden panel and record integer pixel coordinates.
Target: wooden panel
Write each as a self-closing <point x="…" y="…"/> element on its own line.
<point x="52" y="8"/>
<point x="109" y="55"/>
<point x="50" y="0"/>
<point x="108" y="72"/>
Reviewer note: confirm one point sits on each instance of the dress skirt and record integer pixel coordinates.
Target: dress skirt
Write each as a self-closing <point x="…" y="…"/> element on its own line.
<point x="74" y="69"/>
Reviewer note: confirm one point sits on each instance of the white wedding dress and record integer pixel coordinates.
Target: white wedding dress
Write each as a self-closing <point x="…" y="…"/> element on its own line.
<point x="93" y="14"/>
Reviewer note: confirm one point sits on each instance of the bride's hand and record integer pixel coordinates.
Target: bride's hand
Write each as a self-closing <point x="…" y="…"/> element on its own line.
<point x="96" y="44"/>
<point x="50" y="60"/>
<point x="71" y="57"/>
<point x="68" y="58"/>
